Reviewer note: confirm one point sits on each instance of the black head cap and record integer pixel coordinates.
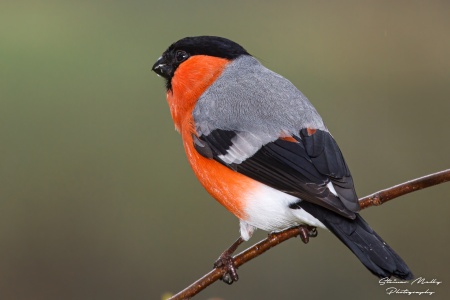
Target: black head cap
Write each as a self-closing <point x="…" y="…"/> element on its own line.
<point x="190" y="46"/>
<point x="209" y="45"/>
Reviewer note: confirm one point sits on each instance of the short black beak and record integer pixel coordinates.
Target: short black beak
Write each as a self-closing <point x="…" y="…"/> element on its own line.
<point x="161" y="68"/>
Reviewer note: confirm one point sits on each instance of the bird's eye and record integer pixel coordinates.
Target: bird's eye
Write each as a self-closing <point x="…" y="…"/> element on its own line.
<point x="181" y="55"/>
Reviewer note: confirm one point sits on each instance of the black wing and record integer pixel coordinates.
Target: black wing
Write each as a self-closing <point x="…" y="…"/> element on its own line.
<point x="301" y="166"/>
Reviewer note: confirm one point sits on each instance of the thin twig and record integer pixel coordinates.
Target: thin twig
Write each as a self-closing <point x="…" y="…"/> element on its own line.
<point x="383" y="196"/>
<point x="274" y="239"/>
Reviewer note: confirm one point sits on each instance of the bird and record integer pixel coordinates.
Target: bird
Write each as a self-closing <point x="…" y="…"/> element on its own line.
<point x="261" y="149"/>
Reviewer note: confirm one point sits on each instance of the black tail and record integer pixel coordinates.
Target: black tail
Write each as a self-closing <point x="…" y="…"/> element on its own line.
<point x="365" y="243"/>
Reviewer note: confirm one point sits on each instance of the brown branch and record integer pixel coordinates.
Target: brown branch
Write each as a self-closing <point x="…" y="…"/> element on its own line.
<point x="274" y="239"/>
<point x="383" y="196"/>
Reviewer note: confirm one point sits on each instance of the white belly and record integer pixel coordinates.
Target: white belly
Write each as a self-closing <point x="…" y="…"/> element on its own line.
<point x="268" y="209"/>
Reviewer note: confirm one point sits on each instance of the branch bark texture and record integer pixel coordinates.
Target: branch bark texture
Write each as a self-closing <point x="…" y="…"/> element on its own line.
<point x="274" y="239"/>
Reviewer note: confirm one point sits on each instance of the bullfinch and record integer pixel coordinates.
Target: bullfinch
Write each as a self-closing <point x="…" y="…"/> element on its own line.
<point x="261" y="149"/>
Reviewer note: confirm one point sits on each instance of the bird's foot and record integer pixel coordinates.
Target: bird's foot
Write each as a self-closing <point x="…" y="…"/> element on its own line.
<point x="306" y="232"/>
<point x="226" y="262"/>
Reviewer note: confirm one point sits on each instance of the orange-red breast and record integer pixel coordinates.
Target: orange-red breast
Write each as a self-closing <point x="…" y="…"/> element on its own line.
<point x="260" y="148"/>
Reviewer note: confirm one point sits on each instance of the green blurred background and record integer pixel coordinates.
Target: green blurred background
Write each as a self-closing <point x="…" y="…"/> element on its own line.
<point x="97" y="200"/>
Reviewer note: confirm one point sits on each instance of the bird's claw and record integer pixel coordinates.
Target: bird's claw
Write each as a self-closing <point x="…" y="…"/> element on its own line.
<point x="226" y="262"/>
<point x="306" y="232"/>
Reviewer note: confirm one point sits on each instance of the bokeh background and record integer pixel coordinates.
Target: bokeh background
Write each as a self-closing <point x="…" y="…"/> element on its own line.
<point x="97" y="200"/>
